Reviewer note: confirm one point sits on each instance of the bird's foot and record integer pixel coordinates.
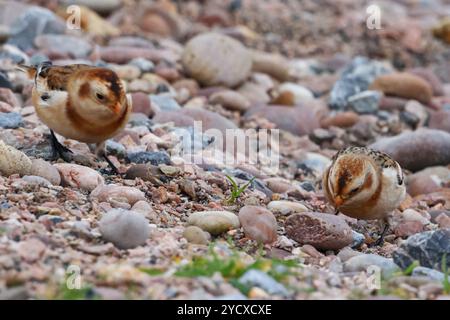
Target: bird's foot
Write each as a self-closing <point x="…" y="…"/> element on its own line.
<point x="378" y="242"/>
<point x="59" y="150"/>
<point x="380" y="239"/>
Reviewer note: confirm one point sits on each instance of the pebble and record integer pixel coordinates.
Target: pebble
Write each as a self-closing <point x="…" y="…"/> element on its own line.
<point x="428" y="180"/>
<point x="126" y="72"/>
<point x="141" y="103"/>
<point x="355" y="78"/>
<point x="4" y="107"/>
<point x="313" y="161"/>
<point x="365" y="102"/>
<point x="408" y="228"/>
<point x="6" y="95"/>
<point x="10" y="120"/>
<point x="63" y="45"/>
<point x="260" y="279"/>
<point x="163" y="102"/>
<point x="258" y="223"/>
<point x="428" y="248"/>
<point x="279" y="185"/>
<point x="322" y="231"/>
<point x="104" y="193"/>
<point x="418" y="111"/>
<point x="285" y="207"/>
<point x="272" y="64"/>
<point x="35" y="180"/>
<point x="403" y="85"/>
<point x="292" y="94"/>
<point x="254" y="93"/>
<point x="143" y="64"/>
<point x="342" y="120"/>
<point x="31" y="250"/>
<point x="300" y="120"/>
<point x="358" y="239"/>
<point x="443" y="221"/>
<point x="347" y="253"/>
<point x="146" y="172"/>
<point x="364" y="262"/>
<point x="189" y="84"/>
<point x="115" y="148"/>
<point x="159" y="22"/>
<point x="209" y="119"/>
<point x="430" y="273"/>
<point x="417" y="150"/>
<point x="13" y="161"/>
<point x="45" y="170"/>
<point x="392" y="103"/>
<point x="78" y="176"/>
<point x="215" y="59"/>
<point x="153" y="157"/>
<point x="440" y="120"/>
<point x="4" y="81"/>
<point x="123" y="54"/>
<point x="231" y="100"/>
<point x="429" y="76"/>
<point x="195" y="235"/>
<point x="125" y="229"/>
<point x="33" y="22"/>
<point x="214" y="222"/>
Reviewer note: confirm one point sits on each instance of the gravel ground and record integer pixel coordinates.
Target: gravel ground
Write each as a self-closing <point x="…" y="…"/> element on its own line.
<point x="170" y="228"/>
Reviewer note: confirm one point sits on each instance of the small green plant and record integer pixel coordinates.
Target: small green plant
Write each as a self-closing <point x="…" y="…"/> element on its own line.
<point x="152" y="271"/>
<point x="445" y="282"/>
<point x="236" y="191"/>
<point x="408" y="271"/>
<point x="233" y="267"/>
<point x="64" y="293"/>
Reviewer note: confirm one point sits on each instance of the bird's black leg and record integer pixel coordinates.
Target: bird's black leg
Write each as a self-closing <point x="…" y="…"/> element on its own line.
<point x="336" y="211"/>
<point x="58" y="149"/>
<point x="380" y="240"/>
<point x="112" y="166"/>
<point x="100" y="151"/>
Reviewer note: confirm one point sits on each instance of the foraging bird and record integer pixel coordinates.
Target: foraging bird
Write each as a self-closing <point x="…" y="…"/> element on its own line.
<point x="79" y="102"/>
<point x="364" y="184"/>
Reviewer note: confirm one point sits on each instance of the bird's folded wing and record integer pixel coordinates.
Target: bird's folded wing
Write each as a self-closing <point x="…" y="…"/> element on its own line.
<point x="58" y="76"/>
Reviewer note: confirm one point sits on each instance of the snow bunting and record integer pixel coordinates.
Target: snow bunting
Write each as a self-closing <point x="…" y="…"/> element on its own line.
<point x="364" y="184"/>
<point x="79" y="102"/>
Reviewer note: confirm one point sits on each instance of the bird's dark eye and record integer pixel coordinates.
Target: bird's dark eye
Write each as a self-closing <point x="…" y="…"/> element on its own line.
<point x="45" y="96"/>
<point x="100" y="96"/>
<point x="354" y="190"/>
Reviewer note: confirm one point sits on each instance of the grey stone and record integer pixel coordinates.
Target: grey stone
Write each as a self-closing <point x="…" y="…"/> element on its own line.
<point x="164" y="102"/>
<point x="358" y="239"/>
<point x="153" y="157"/>
<point x="355" y="78"/>
<point x="430" y="273"/>
<point x="125" y="229"/>
<point x="115" y="148"/>
<point x="64" y="44"/>
<point x="257" y="278"/>
<point x="364" y="262"/>
<point x="428" y="248"/>
<point x="4" y="81"/>
<point x="365" y="102"/>
<point x="33" y="22"/>
<point x="10" y="120"/>
<point x="143" y="64"/>
<point x="418" y="149"/>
